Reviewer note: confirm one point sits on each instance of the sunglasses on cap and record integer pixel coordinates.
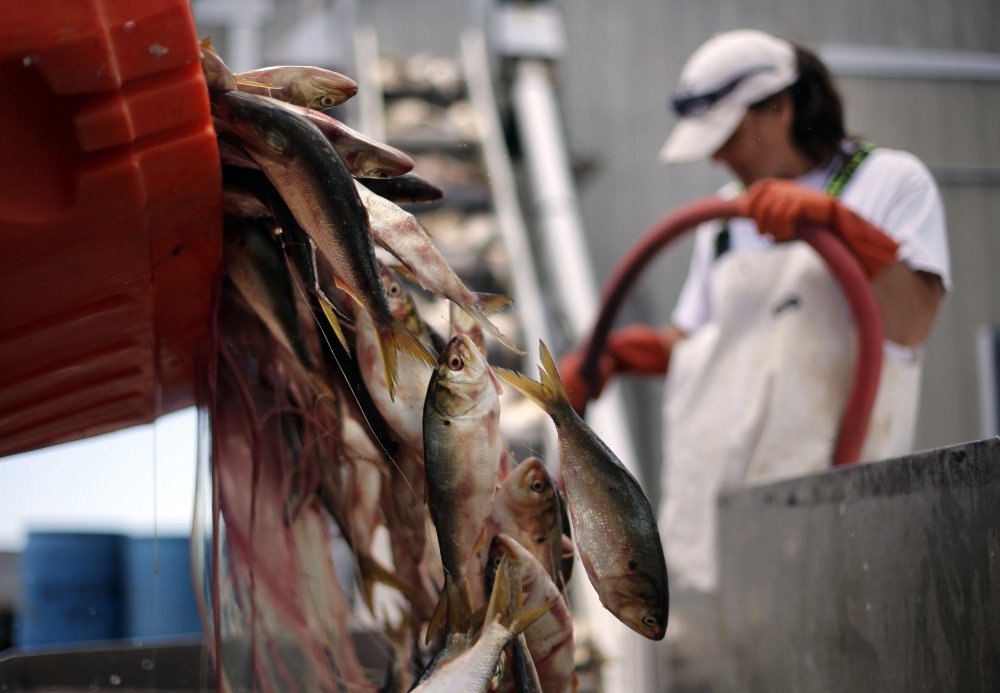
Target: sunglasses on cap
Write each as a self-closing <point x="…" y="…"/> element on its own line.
<point x="685" y="105"/>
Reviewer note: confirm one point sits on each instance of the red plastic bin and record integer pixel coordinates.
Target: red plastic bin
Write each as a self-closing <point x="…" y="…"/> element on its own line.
<point x="110" y="215"/>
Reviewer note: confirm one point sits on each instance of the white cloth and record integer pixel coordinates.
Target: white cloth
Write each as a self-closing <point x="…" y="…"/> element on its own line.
<point x="755" y="391"/>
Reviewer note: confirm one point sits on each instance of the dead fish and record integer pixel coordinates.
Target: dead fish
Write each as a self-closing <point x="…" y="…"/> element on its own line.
<point x="256" y="266"/>
<point x="461" y="453"/>
<point x="302" y="85"/>
<point x="463" y="323"/>
<point x="527" y="509"/>
<point x="404" y="412"/>
<point x="614" y="524"/>
<point x="407" y="189"/>
<point x="218" y="77"/>
<point x="510" y="611"/>
<point x="549" y="640"/>
<point x="401" y="234"/>
<point x="312" y="180"/>
<point x="363" y="156"/>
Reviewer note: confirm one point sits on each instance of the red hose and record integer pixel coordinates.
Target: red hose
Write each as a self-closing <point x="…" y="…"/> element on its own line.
<point x="842" y="264"/>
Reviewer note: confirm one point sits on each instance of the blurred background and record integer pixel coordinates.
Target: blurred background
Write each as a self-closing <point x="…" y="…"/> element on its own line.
<point x="918" y="76"/>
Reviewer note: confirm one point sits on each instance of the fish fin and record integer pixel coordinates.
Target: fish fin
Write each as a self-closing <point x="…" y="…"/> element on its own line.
<point x="404" y="271"/>
<point x="347" y="290"/>
<point x="206" y="43"/>
<point x="493" y="303"/>
<point x="249" y="83"/>
<point x="331" y="317"/>
<point x="550" y="373"/>
<point x="506" y="605"/>
<point x="395" y="338"/>
<point x="482" y="319"/>
<point x="451" y="609"/>
<point x="437" y="618"/>
<point x="373" y="571"/>
<point x="529" y="388"/>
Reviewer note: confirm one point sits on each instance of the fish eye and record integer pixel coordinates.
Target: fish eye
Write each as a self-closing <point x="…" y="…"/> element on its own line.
<point x="537" y="486"/>
<point x="648" y="621"/>
<point x="327" y="101"/>
<point x="382" y="174"/>
<point x="455" y="362"/>
<point x="394" y="289"/>
<point x="496" y="561"/>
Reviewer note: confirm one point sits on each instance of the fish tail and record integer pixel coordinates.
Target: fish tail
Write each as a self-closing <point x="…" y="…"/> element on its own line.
<point x="548" y="391"/>
<point x="331" y="317"/>
<point x="452" y="608"/>
<point x="506" y="601"/>
<point x="549" y="374"/>
<point x="373" y="572"/>
<point x="493" y="303"/>
<point x="394" y="337"/>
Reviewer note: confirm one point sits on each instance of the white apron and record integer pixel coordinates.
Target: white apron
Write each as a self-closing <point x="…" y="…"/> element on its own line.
<point x="757" y="394"/>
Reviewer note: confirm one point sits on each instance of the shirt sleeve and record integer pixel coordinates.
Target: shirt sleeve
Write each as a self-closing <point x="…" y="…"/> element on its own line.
<point x="904" y="201"/>
<point x="693" y="307"/>
<point x="917" y="223"/>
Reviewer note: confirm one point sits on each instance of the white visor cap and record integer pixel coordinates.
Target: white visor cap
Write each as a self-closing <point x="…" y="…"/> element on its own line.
<point x="727" y="74"/>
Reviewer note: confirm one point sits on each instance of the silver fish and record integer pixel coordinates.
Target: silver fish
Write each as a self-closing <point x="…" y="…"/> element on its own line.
<point x="613" y="522"/>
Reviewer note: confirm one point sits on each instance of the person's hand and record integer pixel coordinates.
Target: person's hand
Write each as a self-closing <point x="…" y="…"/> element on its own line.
<point x="638" y="349"/>
<point x="779" y="206"/>
<point x="579" y="390"/>
<point x="635" y="350"/>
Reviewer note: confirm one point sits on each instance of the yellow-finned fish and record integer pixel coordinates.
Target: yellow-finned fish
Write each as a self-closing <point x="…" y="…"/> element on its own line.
<point x="363" y="156"/>
<point x="302" y="85"/>
<point x="509" y="612"/>
<point x="401" y="234"/>
<point x="527" y="509"/>
<point x="462" y="448"/>
<point x="313" y="181"/>
<point x="613" y="522"/>
<point x="549" y="640"/>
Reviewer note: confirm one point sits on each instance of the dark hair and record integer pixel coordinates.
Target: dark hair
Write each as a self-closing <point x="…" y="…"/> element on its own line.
<point x="818" y="120"/>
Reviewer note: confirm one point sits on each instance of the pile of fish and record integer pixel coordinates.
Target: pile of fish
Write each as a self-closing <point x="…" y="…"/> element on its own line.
<point x="333" y="404"/>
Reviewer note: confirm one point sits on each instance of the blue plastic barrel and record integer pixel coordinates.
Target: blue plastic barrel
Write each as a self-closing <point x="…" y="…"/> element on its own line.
<point x="159" y="592"/>
<point x="72" y="588"/>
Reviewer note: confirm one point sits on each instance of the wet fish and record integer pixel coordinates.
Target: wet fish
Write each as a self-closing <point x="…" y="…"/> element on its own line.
<point x="302" y="85"/>
<point x="363" y="156"/>
<point x="404" y="412"/>
<point x="461" y="453"/>
<point x="401" y="234"/>
<point x="615" y="527"/>
<point x="462" y="322"/>
<point x="256" y="266"/>
<point x="549" y="640"/>
<point x="527" y="509"/>
<point x="510" y="611"/>
<point x="407" y="189"/>
<point x="313" y="182"/>
<point x="217" y="75"/>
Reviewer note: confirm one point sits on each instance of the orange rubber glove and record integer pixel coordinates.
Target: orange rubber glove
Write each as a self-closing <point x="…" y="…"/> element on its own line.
<point x="633" y="350"/>
<point x="779" y="205"/>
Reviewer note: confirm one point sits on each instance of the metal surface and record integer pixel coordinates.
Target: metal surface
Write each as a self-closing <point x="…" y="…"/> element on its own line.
<point x="163" y="665"/>
<point x="880" y="577"/>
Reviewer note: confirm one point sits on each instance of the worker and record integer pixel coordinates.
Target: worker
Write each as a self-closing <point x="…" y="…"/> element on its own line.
<point x="761" y="347"/>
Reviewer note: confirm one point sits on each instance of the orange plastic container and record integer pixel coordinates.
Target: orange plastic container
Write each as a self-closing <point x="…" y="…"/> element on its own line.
<point x="110" y="215"/>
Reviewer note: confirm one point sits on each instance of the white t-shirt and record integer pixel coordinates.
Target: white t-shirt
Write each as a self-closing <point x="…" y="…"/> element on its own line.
<point x="891" y="189"/>
<point x="756" y="390"/>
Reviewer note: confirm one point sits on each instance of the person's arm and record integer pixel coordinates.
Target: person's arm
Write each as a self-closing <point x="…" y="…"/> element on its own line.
<point x="908" y="299"/>
<point x="632" y="350"/>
